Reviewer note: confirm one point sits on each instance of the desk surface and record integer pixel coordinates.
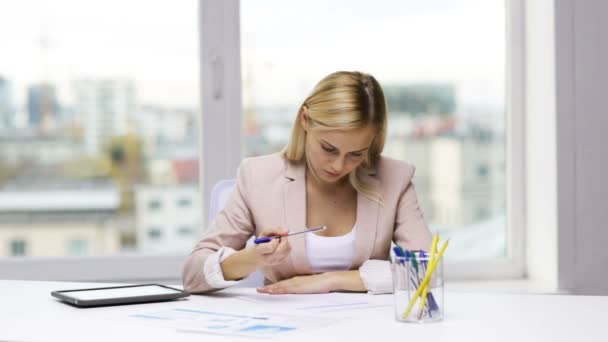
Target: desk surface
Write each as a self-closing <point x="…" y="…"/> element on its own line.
<point x="29" y="313"/>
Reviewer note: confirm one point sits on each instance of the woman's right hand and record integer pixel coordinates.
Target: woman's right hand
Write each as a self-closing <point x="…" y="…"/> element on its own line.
<point x="273" y="252"/>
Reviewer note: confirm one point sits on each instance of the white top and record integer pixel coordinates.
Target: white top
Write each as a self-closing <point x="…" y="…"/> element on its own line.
<point x="330" y="253"/>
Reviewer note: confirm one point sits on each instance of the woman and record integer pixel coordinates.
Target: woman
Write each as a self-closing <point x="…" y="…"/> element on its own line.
<point x="330" y="174"/>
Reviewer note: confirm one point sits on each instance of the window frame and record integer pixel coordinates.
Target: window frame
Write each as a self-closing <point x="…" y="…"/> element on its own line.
<point x="513" y="265"/>
<point x="220" y="124"/>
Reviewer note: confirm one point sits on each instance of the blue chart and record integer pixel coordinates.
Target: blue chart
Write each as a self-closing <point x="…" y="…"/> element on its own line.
<point x="272" y="329"/>
<point x="229" y="323"/>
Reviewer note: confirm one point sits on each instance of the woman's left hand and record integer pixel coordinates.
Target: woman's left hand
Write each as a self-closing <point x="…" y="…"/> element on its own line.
<point x="317" y="283"/>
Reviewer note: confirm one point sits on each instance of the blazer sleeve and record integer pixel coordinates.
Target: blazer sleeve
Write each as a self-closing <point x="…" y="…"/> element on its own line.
<point x="232" y="227"/>
<point x="411" y="231"/>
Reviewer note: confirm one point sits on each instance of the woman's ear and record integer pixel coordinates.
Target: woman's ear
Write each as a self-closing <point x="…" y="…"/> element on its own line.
<point x="303" y="117"/>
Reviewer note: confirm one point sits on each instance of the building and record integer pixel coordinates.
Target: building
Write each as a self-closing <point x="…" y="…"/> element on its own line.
<point x="39" y="217"/>
<point x="460" y="171"/>
<point x="18" y="148"/>
<point x="6" y="105"/>
<point x="167" y="132"/>
<point x="105" y="107"/>
<point x="421" y="99"/>
<point x="42" y="106"/>
<point x="467" y="181"/>
<point x="168" y="218"/>
<point x="168" y="215"/>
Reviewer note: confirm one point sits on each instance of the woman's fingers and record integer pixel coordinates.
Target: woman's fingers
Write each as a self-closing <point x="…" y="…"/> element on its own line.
<point x="283" y="248"/>
<point x="274" y="231"/>
<point x="276" y="288"/>
<point x="277" y="249"/>
<point x="292" y="285"/>
<point x="268" y="247"/>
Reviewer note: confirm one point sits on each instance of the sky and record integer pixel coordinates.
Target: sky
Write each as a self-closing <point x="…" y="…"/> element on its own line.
<point x="398" y="41"/>
<point x="154" y="42"/>
<point x="287" y="46"/>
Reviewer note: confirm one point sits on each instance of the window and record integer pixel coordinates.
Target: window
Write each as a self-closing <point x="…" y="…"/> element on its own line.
<point x="482" y="171"/>
<point x="442" y="66"/>
<point x="18" y="248"/>
<point x="155" y="233"/>
<point x="154" y="205"/>
<point x="78" y="247"/>
<point x="97" y="103"/>
<point x="184" y="231"/>
<point x="72" y="92"/>
<point x="184" y="202"/>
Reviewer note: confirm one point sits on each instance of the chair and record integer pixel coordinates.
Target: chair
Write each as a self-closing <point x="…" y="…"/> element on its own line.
<point x="219" y="195"/>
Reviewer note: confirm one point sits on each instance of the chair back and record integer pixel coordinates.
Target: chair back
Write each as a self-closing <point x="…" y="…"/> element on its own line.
<point x="219" y="195"/>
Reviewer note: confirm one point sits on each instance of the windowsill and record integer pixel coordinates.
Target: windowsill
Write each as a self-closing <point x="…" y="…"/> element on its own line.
<point x="518" y="286"/>
<point x="506" y="286"/>
<point x="513" y="286"/>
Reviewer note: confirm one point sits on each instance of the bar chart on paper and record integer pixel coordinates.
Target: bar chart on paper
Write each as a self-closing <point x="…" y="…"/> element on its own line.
<point x="263" y="325"/>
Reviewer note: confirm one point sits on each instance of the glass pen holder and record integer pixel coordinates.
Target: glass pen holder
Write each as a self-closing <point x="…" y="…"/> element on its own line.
<point x="418" y="299"/>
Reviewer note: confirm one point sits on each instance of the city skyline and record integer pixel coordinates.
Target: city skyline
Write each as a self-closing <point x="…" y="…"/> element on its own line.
<point x="128" y="73"/>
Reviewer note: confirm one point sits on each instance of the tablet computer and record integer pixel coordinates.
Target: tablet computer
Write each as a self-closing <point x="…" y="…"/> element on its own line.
<point x="112" y="295"/>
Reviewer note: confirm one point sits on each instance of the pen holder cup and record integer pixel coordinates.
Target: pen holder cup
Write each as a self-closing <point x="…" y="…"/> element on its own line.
<point x="409" y="285"/>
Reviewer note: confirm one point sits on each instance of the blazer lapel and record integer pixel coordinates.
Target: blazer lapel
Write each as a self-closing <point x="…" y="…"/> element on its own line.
<point x="295" y="218"/>
<point x="367" y="223"/>
<point x="294" y="194"/>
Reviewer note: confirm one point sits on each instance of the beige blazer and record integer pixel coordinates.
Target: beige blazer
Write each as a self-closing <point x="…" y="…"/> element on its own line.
<point x="271" y="192"/>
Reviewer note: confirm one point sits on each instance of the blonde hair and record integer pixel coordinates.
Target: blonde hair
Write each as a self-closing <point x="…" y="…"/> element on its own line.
<point x="344" y="100"/>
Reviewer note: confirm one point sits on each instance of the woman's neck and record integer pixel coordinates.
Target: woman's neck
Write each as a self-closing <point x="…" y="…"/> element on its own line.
<point x="331" y="188"/>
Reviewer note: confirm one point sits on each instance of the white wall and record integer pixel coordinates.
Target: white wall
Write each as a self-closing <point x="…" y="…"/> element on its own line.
<point x="582" y="163"/>
<point x="566" y="140"/>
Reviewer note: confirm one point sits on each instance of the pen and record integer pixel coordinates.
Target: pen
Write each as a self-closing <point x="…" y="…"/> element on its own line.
<point x="425" y="293"/>
<point x="415" y="263"/>
<point x="426" y="279"/>
<point x="423" y="264"/>
<point x="432" y="304"/>
<point x="398" y="255"/>
<point x="268" y="238"/>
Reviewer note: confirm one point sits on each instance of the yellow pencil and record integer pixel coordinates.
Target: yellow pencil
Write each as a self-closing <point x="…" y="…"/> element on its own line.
<point x="426" y="288"/>
<point x="425" y="281"/>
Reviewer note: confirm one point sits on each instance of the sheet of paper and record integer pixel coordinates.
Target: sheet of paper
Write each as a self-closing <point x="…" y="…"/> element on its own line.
<point x="263" y="325"/>
<point x="317" y="303"/>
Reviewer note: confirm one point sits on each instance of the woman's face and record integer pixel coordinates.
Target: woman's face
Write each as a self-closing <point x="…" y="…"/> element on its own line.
<point x="335" y="154"/>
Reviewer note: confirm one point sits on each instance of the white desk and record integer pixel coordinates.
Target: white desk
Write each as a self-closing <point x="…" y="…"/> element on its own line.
<point x="29" y="313"/>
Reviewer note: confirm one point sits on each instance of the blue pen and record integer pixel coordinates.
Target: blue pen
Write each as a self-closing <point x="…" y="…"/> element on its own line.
<point x="402" y="253"/>
<point x="408" y="256"/>
<point x="399" y="254"/>
<point x="423" y="263"/>
<point x="431" y="303"/>
<point x="421" y="257"/>
<point x="269" y="238"/>
<point x="398" y="251"/>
